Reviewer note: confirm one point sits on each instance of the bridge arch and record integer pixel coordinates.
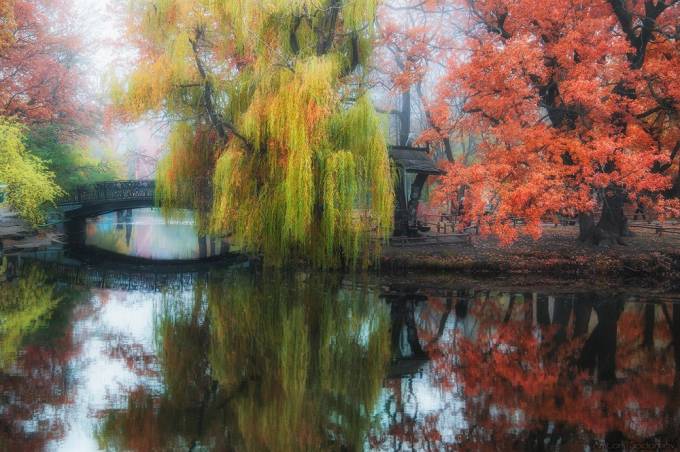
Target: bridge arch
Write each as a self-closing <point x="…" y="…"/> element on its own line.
<point x="104" y="197"/>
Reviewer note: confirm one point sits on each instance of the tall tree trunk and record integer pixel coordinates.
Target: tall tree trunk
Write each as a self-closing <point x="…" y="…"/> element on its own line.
<point x="586" y="226"/>
<point x="428" y="115"/>
<point x="674" y="191"/>
<point x="583" y="307"/>
<point x="461" y="307"/>
<point x="561" y="316"/>
<point x="202" y="247"/>
<point x="648" y="328"/>
<point x="599" y="351"/>
<point x="405" y="118"/>
<point x="442" y="322"/>
<point x="412" y="333"/>
<point x="543" y="310"/>
<point x="613" y="224"/>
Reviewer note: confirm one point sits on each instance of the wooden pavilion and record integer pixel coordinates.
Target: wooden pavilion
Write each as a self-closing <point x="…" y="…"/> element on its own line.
<point x="414" y="166"/>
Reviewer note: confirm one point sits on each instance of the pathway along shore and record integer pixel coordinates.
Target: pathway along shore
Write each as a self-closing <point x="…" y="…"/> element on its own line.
<point x="16" y="235"/>
<point x="557" y="253"/>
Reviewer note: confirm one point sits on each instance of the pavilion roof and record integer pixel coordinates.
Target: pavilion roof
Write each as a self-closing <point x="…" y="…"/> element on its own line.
<point x="414" y="160"/>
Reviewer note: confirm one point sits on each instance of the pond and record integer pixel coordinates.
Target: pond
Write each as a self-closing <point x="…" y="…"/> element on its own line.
<point x="233" y="358"/>
<point x="147" y="234"/>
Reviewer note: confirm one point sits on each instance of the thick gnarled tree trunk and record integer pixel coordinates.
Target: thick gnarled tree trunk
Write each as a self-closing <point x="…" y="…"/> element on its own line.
<point x="613" y="224"/>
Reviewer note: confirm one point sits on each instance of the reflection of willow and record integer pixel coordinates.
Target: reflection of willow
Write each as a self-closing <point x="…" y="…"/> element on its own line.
<point x="116" y="240"/>
<point x="283" y="363"/>
<point x="170" y="421"/>
<point x="24" y="307"/>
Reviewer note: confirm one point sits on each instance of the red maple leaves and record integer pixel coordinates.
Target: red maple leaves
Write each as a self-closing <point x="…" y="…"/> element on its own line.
<point x="40" y="78"/>
<point x="567" y="103"/>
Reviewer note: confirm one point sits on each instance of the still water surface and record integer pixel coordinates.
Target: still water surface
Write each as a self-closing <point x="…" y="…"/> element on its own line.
<point x="239" y="360"/>
<point x="146" y="233"/>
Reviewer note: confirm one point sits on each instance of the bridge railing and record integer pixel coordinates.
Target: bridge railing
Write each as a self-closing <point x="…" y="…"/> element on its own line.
<point x="111" y="191"/>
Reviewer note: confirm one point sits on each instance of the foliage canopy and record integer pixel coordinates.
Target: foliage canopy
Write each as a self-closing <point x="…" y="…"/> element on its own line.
<point x="576" y="107"/>
<point x="30" y="184"/>
<point x="274" y="139"/>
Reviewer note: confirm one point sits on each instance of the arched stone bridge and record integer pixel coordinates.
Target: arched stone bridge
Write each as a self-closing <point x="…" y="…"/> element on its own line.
<point x="105" y="197"/>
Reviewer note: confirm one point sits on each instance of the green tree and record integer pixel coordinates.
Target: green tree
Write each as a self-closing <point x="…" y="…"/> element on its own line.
<point x="73" y="164"/>
<point x="274" y="137"/>
<point x="30" y="184"/>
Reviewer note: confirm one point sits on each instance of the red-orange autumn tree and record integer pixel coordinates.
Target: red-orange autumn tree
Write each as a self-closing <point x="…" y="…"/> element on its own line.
<point x="40" y="79"/>
<point x="44" y="105"/>
<point x="414" y="38"/>
<point x="576" y="107"/>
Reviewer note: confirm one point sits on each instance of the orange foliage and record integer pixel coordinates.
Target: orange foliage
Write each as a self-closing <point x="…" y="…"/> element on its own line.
<point x="568" y="101"/>
<point x="39" y="79"/>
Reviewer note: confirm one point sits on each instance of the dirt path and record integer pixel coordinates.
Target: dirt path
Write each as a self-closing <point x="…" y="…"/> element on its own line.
<point x="557" y="253"/>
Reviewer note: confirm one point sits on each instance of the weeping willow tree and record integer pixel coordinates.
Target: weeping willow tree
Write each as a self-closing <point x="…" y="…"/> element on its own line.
<point x="274" y="139"/>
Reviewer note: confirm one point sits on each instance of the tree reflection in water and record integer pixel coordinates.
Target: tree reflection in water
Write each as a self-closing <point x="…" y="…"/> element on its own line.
<point x="25" y="306"/>
<point x="36" y="347"/>
<point x="528" y="371"/>
<point x="261" y="363"/>
<point x="247" y="361"/>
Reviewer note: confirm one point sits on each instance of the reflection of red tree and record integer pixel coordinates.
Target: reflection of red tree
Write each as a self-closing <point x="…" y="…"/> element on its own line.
<point x="36" y="389"/>
<point x="516" y="378"/>
<point x="407" y="429"/>
<point x="536" y="372"/>
<point x="38" y="383"/>
<point x="139" y="360"/>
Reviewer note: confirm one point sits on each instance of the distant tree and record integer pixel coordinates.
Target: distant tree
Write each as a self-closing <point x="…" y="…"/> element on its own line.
<point x="576" y="104"/>
<point x="30" y="185"/>
<point x="42" y="86"/>
<point x="71" y="162"/>
<point x="416" y="38"/>
<point x="39" y="76"/>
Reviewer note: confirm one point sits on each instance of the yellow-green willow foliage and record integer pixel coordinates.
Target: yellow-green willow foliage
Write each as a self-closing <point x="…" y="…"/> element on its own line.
<point x="30" y="185"/>
<point x="305" y="357"/>
<point x="283" y="363"/>
<point x="274" y="130"/>
<point x="25" y="306"/>
<point x="182" y="341"/>
<point x="184" y="175"/>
